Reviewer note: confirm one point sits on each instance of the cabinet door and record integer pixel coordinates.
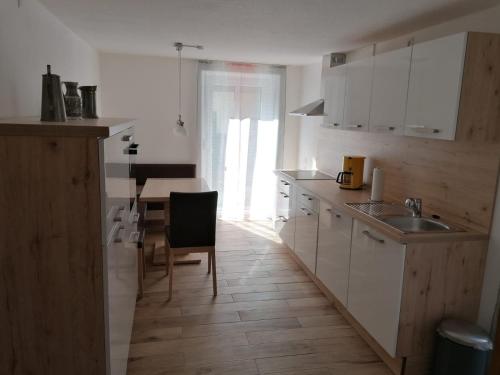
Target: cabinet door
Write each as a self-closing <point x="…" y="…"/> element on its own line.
<point x="334" y="81"/>
<point x="306" y="236"/>
<point x="434" y="90"/>
<point x="119" y="252"/>
<point x="334" y="248"/>
<point x="358" y="93"/>
<point x="375" y="284"/>
<point x="391" y="72"/>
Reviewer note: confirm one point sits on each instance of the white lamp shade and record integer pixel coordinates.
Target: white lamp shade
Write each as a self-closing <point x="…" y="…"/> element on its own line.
<point x="180" y="130"/>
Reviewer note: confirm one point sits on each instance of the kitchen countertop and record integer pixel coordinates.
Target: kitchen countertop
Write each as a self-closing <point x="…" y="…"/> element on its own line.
<point x="102" y="127"/>
<point x="329" y="191"/>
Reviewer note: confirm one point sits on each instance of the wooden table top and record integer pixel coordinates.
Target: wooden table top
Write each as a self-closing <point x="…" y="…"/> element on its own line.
<point x="159" y="189"/>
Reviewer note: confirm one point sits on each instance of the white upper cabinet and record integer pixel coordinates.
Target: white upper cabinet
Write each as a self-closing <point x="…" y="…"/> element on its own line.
<point x="357" y="95"/>
<point x="334" y="94"/>
<point x="434" y="88"/>
<point x="391" y="72"/>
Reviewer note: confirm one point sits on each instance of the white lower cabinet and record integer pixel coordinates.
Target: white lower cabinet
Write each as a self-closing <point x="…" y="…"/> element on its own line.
<point x="334" y="248"/>
<point x="375" y="284"/>
<point x="284" y="222"/>
<point x="361" y="267"/>
<point x="306" y="235"/>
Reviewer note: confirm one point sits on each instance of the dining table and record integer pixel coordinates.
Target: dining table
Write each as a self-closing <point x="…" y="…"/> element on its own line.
<point x="159" y="189"/>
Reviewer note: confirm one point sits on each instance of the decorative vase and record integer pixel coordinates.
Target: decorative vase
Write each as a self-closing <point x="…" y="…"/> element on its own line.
<point x="72" y="101"/>
<point x="89" y="109"/>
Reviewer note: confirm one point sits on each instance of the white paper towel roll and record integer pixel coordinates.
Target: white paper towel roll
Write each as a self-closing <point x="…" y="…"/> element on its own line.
<point x="377" y="185"/>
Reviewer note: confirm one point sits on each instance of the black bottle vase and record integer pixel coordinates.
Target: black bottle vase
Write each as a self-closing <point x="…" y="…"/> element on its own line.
<point x="89" y="109"/>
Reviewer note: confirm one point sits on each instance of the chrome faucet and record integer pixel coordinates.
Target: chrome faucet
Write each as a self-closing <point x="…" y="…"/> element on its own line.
<point x="414" y="204"/>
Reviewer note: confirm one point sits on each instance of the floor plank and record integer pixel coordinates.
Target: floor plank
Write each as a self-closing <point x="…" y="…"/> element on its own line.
<point x="268" y="317"/>
<point x="287" y="312"/>
<point x="239" y="327"/>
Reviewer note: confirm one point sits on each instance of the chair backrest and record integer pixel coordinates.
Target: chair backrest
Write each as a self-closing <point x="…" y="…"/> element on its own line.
<point x="192" y="219"/>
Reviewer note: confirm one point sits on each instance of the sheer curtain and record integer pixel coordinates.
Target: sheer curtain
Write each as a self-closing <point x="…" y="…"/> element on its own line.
<point x="241" y="109"/>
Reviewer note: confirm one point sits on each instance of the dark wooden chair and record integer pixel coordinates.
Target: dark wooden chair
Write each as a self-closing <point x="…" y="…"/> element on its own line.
<point x="152" y="214"/>
<point x="192" y="230"/>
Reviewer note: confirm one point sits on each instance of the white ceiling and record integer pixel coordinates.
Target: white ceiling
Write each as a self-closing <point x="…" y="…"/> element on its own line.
<point x="267" y="31"/>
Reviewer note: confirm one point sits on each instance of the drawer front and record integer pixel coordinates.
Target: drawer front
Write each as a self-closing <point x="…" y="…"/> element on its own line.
<point x="307" y="200"/>
<point x="284" y="185"/>
<point x="119" y="189"/>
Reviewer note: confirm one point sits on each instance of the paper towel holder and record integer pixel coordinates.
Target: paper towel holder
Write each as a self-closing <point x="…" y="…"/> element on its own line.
<point x="377" y="192"/>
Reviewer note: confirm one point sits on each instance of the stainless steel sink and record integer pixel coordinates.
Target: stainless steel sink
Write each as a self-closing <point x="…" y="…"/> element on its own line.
<point x="401" y="219"/>
<point x="409" y="224"/>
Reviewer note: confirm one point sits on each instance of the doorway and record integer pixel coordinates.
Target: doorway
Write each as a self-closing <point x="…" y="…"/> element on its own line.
<point x="241" y="109"/>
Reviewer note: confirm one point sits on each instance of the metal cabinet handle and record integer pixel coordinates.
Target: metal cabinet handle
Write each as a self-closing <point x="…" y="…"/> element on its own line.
<point x="284" y="195"/>
<point x="132" y="149"/>
<point x="354" y="126"/>
<point x="134" y="237"/>
<point x="383" y="127"/>
<point x="118" y="216"/>
<point x="305" y="211"/>
<point x="331" y="211"/>
<point x="286" y="183"/>
<point x="336" y="124"/>
<point x="283" y="219"/>
<point x="371" y="236"/>
<point x="135" y="218"/>
<point x="423" y="129"/>
<point x="118" y="238"/>
<point x="309" y="198"/>
<point x="127" y="138"/>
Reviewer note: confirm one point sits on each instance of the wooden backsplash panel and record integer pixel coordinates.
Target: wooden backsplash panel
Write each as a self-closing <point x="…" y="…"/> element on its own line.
<point x="456" y="180"/>
<point x="479" y="116"/>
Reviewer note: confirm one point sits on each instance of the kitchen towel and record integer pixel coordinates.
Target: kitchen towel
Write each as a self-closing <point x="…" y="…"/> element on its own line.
<point x="377" y="185"/>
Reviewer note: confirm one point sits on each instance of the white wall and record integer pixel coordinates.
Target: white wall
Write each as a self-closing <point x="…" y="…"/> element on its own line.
<point x="146" y="88"/>
<point x="309" y="126"/>
<point x="30" y="38"/>
<point x="292" y="123"/>
<point x="313" y="145"/>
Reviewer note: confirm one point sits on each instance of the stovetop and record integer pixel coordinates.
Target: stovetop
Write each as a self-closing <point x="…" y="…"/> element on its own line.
<point x="307" y="175"/>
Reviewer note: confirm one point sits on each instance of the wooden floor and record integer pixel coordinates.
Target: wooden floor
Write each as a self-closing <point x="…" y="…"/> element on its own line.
<point x="269" y="318"/>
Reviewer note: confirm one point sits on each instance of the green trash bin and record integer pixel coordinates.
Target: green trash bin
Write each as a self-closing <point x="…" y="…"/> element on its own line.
<point x="462" y="348"/>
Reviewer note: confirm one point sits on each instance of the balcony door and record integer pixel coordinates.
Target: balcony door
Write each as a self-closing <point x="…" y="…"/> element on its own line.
<point x="241" y="116"/>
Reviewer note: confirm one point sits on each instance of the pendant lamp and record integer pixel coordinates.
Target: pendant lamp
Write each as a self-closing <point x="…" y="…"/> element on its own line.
<point x="179" y="128"/>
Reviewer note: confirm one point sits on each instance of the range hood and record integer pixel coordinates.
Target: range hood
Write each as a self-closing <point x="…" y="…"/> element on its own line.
<point x="316" y="108"/>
